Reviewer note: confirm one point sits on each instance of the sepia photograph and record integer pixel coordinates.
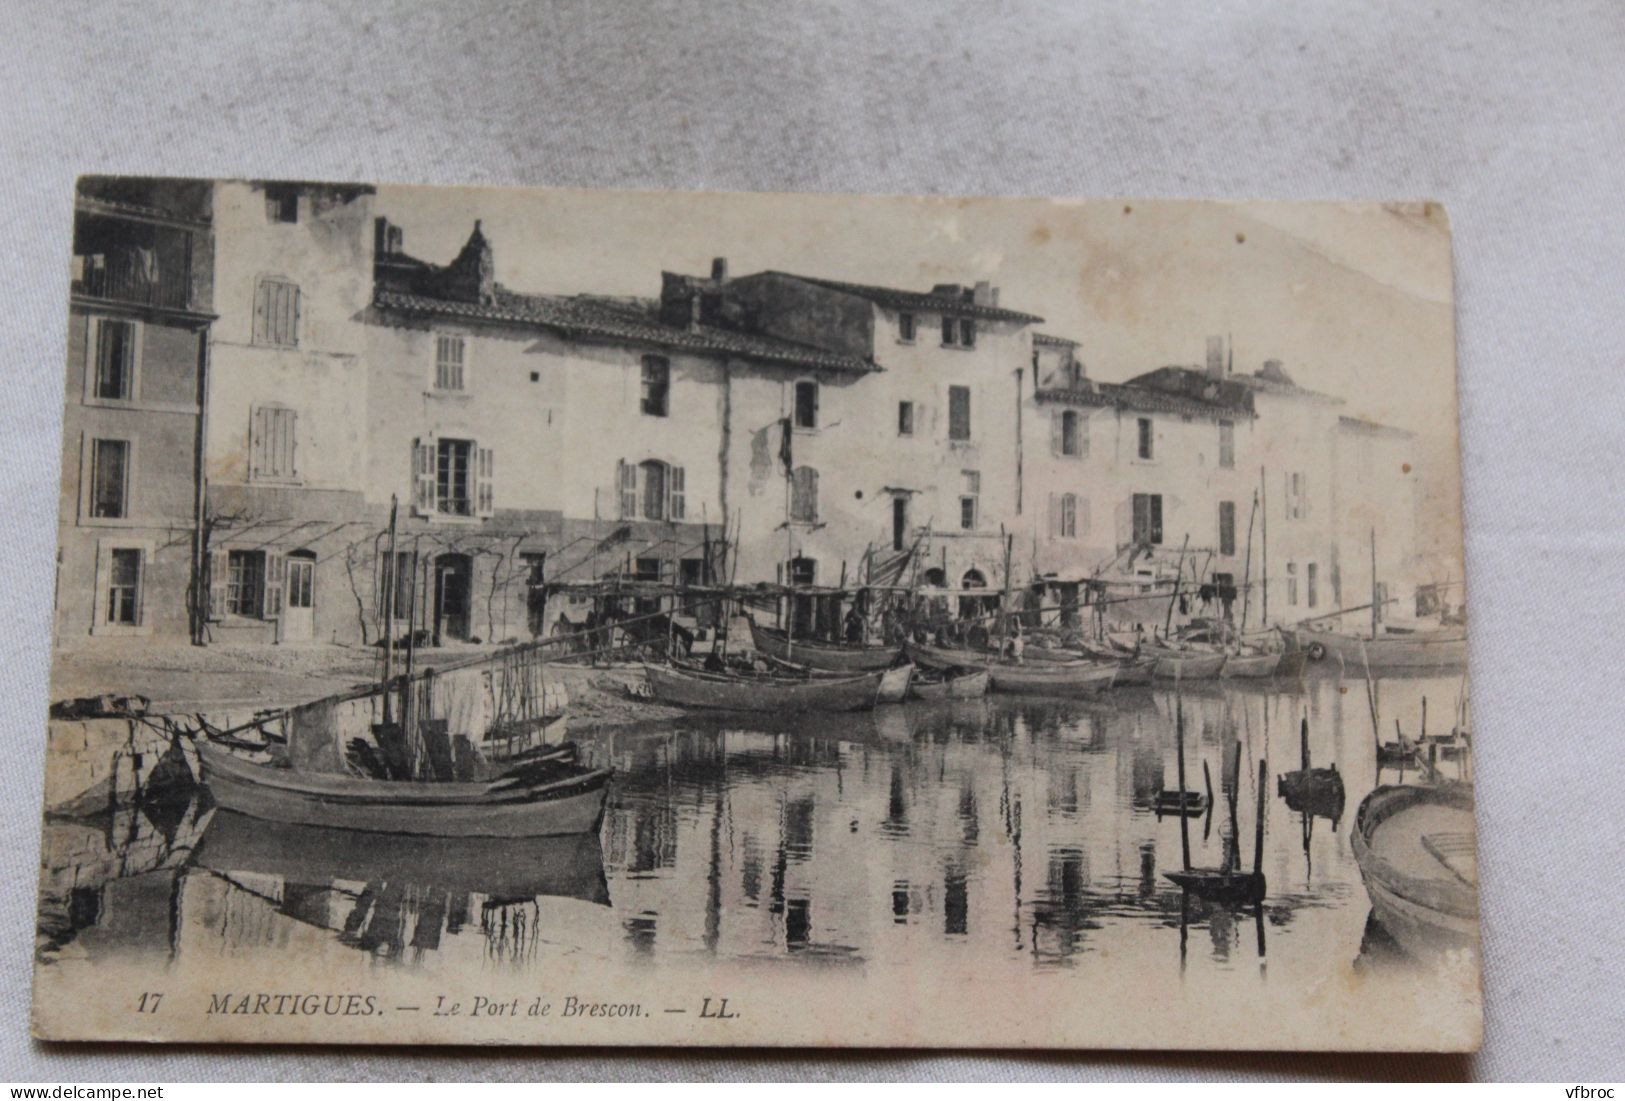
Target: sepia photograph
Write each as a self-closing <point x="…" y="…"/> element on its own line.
<point x="521" y="616"/>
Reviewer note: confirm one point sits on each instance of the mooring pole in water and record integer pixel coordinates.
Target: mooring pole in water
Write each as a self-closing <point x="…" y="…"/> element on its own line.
<point x="1179" y="758"/>
<point x="1258" y="827"/>
<point x="1303" y="742"/>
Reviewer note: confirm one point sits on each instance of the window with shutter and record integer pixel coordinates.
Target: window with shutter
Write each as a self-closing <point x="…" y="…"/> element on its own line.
<point x="656" y="386"/>
<point x="1227" y="444"/>
<point x="905" y="418"/>
<point x="271" y="444"/>
<point x="1054" y="516"/>
<point x="653" y="474"/>
<point x="276" y="313"/>
<point x="1145" y="438"/>
<point x="1083" y="516"/>
<point x="1069" y="433"/>
<point x="1148" y="518"/>
<point x="804" y="495"/>
<point x="1069" y="516"/>
<point x="679" y="503"/>
<point x="484" y="496"/>
<point x="959" y="412"/>
<point x="1227" y="527"/>
<point x="454" y="477"/>
<point x="448" y="361"/>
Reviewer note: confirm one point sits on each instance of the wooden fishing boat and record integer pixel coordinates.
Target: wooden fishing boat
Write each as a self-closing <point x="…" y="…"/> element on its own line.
<point x="545" y="799"/>
<point x="1415" y="849"/>
<point x="731" y="692"/>
<point x="1248" y="662"/>
<point x="954" y="684"/>
<point x="1187" y="664"/>
<point x="567" y="866"/>
<point x="1079" y="678"/>
<point x="1313" y="791"/>
<point x="1392" y="648"/>
<point x="833" y="657"/>
<point x="1038" y="678"/>
<point x="894" y="684"/>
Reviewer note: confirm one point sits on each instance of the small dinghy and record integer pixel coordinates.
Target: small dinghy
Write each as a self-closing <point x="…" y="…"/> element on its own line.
<point x="1418" y="859"/>
<point x="952" y="684"/>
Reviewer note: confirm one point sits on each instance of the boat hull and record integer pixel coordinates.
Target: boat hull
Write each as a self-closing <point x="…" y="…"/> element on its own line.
<point x="570" y="806"/>
<point x="894" y="685"/>
<point x="966" y="686"/>
<point x="720" y="692"/>
<point x="1039" y="678"/>
<point x="1429" y="650"/>
<point x="1178" y="665"/>
<point x="1250" y="665"/>
<point x="1424" y="915"/>
<point x="822" y="655"/>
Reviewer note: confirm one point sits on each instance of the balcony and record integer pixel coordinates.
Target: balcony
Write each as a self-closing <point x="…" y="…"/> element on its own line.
<point x="134" y="261"/>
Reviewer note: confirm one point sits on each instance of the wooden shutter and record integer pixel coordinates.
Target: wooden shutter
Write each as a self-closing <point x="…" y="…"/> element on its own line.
<point x="215" y="579"/>
<point x="276" y="579"/>
<point x="1056" y="421"/>
<point x="679" y="503"/>
<point x="1156" y="518"/>
<point x="262" y="312"/>
<point x="1054" y="516"/>
<point x="423" y="476"/>
<point x="1081" y="436"/>
<point x="626" y="488"/>
<point x="483" y="498"/>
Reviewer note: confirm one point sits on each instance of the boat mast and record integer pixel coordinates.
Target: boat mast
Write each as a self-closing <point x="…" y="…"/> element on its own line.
<point x="1179" y="577"/>
<point x="1247" y="567"/>
<point x="1374" y="605"/>
<point x="1264" y="547"/>
<point x="389" y="607"/>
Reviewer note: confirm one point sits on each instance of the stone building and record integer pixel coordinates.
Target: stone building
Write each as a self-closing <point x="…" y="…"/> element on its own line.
<point x="285" y="512"/>
<point x="139" y="317"/>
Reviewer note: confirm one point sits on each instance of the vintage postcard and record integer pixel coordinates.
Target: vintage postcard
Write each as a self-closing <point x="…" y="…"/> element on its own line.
<point x="515" y="616"/>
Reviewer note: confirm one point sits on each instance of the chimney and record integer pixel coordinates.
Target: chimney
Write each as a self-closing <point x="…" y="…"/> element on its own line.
<point x="1215" y="357"/>
<point x="983" y="294"/>
<point x="719" y="270"/>
<point x="384" y="237"/>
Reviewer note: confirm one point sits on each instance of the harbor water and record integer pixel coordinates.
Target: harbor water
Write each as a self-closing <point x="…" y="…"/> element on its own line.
<point x="1018" y="833"/>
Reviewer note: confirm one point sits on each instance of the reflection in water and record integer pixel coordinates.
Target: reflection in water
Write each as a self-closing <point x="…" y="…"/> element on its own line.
<point x="1017" y="833"/>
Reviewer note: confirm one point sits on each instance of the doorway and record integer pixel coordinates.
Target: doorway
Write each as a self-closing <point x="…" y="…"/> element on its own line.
<point x="299" y="607"/>
<point x="453" y="590"/>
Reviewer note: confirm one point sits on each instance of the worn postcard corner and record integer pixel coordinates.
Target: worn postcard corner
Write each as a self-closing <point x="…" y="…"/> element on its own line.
<point x="565" y="617"/>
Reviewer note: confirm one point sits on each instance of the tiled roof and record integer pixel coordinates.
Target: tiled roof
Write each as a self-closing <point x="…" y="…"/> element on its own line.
<point x="1372" y="428"/>
<point x="1057" y="341"/>
<point x="619" y="320"/>
<point x="919" y="300"/>
<point x="1140" y="399"/>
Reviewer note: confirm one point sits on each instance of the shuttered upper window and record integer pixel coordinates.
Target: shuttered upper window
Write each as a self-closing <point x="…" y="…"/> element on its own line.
<point x="271" y="444"/>
<point x="959" y="412"/>
<point x="276" y="313"/>
<point x="804" y="495"/>
<point x="448" y="362"/>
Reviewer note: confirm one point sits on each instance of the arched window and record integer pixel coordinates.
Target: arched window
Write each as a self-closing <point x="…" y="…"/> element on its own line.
<point x="651" y="490"/>
<point x="934" y="578"/>
<point x="973" y="579"/>
<point x="804" y="495"/>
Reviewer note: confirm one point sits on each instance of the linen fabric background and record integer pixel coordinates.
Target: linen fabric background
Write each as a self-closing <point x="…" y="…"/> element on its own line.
<point x="1513" y="115"/>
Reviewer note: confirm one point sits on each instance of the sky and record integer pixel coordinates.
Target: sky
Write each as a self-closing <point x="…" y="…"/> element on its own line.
<point x="1354" y="299"/>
